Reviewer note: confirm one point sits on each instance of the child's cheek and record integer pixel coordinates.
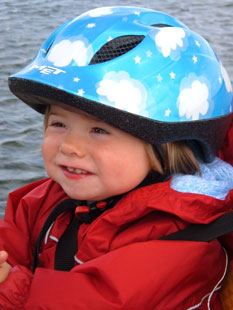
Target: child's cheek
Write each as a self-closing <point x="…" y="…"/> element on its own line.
<point x="47" y="148"/>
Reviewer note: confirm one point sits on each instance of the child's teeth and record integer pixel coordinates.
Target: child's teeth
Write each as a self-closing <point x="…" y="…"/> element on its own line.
<point x="75" y="170"/>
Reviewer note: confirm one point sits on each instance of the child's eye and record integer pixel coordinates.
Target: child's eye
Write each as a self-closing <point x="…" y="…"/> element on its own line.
<point x="57" y="124"/>
<point x="99" y="130"/>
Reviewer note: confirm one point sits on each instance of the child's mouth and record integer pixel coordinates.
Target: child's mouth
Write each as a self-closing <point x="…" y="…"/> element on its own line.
<point x="76" y="171"/>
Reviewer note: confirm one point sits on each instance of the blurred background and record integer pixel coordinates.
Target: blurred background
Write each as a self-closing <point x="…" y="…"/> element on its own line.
<point x="25" y="24"/>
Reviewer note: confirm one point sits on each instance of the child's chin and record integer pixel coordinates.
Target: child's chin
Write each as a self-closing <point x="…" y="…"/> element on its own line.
<point x="86" y="197"/>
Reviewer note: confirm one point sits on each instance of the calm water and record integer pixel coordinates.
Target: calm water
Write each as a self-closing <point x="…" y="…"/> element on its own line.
<point x="25" y="24"/>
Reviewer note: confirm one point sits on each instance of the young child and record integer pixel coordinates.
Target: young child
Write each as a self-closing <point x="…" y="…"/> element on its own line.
<point x="136" y="108"/>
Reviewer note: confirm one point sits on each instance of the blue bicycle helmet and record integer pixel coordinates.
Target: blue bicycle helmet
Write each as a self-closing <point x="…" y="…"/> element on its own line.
<point x="140" y="70"/>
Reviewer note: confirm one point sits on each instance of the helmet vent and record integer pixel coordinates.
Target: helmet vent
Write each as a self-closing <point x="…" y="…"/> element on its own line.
<point x="161" y="25"/>
<point x="116" y="48"/>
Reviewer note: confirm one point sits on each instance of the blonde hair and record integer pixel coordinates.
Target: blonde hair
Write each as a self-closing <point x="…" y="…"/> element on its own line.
<point x="46" y="116"/>
<point x="175" y="157"/>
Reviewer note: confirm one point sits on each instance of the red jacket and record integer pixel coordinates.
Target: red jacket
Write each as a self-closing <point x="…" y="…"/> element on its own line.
<point x="120" y="264"/>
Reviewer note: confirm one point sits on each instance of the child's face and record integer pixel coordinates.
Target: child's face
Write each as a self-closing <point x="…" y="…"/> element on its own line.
<point x="90" y="159"/>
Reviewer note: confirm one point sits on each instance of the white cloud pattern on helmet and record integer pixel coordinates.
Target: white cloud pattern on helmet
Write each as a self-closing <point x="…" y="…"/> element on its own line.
<point x="168" y="39"/>
<point x="65" y="51"/>
<point x="226" y="79"/>
<point x="193" y="101"/>
<point x="117" y="89"/>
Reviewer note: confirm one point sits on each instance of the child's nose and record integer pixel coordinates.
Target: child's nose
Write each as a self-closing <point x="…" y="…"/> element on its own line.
<point x="73" y="147"/>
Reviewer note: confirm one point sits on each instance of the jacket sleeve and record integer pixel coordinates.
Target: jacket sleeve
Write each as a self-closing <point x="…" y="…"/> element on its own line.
<point x="14" y="238"/>
<point x="14" y="290"/>
<point x="147" y="275"/>
<point x="18" y="230"/>
<point x="15" y="228"/>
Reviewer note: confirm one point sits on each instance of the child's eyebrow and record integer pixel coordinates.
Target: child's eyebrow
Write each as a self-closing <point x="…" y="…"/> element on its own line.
<point x="91" y="117"/>
<point x="54" y="114"/>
